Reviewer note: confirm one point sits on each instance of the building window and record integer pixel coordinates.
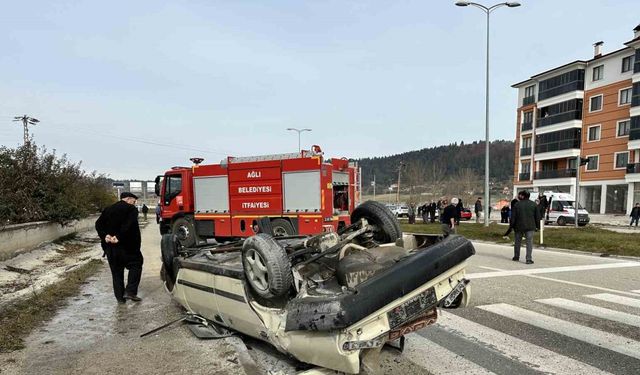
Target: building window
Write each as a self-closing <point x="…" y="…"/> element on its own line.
<point x="623" y="128"/>
<point x="625" y="96"/>
<point x="526" y="142"/>
<point x="597" y="72"/>
<point x="571" y="163"/>
<point x="529" y="90"/>
<point x="595" y="103"/>
<point x="627" y="63"/>
<point x="593" y="134"/>
<point x="526" y="168"/>
<point x="527" y="117"/>
<point x="621" y="160"/>
<point x="592" y="165"/>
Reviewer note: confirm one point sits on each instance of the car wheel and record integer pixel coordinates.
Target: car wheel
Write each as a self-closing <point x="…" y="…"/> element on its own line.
<point x="281" y="228"/>
<point x="562" y="221"/>
<point x="266" y="266"/>
<point x="168" y="250"/>
<point x="184" y="230"/>
<point x="387" y="228"/>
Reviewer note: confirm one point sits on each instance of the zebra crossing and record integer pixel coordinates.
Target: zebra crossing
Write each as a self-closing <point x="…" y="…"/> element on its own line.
<point x="458" y="344"/>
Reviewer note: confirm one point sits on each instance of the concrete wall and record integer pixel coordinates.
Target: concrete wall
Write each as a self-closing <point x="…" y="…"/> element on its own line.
<point x="15" y="239"/>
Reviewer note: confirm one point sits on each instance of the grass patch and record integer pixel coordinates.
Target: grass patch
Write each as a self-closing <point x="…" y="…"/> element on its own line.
<point x="18" y="319"/>
<point x="587" y="238"/>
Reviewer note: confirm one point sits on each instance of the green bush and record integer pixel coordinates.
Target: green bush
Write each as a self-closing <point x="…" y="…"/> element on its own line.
<point x="36" y="184"/>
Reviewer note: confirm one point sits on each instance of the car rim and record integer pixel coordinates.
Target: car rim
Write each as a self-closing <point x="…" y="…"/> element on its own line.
<point x="257" y="271"/>
<point x="279" y="232"/>
<point x="183" y="232"/>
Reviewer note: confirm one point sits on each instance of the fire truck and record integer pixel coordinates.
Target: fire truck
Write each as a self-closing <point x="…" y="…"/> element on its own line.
<point x="297" y="193"/>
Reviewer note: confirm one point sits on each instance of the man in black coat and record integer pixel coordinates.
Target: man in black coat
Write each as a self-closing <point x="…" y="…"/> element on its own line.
<point x="119" y="233"/>
<point x="525" y="220"/>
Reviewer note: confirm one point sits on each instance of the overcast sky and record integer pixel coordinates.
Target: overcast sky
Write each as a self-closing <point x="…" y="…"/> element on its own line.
<point x="214" y="78"/>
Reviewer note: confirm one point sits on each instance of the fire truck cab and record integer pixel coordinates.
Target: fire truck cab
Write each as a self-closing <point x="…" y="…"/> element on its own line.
<point x="297" y="193"/>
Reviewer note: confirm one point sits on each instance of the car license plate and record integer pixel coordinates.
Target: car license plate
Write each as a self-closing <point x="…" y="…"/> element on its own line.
<point x="412" y="308"/>
<point x="455" y="292"/>
<point x="423" y="321"/>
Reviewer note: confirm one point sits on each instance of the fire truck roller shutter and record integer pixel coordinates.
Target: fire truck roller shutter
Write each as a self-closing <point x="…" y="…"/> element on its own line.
<point x="301" y="191"/>
<point x="211" y="194"/>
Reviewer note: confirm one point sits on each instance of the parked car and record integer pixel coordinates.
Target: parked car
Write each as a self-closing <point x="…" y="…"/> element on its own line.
<point x="465" y="214"/>
<point x="329" y="299"/>
<point x="402" y="211"/>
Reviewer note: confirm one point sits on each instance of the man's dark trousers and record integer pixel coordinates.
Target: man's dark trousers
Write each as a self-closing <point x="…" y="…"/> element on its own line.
<point x="119" y="259"/>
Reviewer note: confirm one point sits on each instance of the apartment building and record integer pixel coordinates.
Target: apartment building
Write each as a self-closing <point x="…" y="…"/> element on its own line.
<point x="587" y="108"/>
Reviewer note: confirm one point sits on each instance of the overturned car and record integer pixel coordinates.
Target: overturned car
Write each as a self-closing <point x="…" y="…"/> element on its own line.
<point x="329" y="299"/>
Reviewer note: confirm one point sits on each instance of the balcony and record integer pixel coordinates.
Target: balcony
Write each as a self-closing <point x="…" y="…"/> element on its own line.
<point x="526" y="126"/>
<point x="525" y="151"/>
<point x="557" y="146"/>
<point x="524" y="176"/>
<point x="635" y="95"/>
<point x="633" y="168"/>
<point x="560" y="117"/>
<point x="554" y="173"/>
<point x="634" y="130"/>
<point x="529" y="100"/>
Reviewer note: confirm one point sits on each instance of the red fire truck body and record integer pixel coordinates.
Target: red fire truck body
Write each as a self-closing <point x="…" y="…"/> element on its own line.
<point x="300" y="193"/>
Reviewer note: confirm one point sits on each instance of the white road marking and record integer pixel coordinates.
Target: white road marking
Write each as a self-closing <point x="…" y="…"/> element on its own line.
<point x="534" y="271"/>
<point x="561" y="253"/>
<point x="438" y="360"/>
<point x="636" y="291"/>
<point x="616" y="299"/>
<point x="600" y="312"/>
<point x="528" y="354"/>
<point x="592" y="336"/>
<point x="571" y="283"/>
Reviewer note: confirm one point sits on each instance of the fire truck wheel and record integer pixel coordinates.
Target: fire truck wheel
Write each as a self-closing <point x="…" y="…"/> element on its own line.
<point x="378" y="215"/>
<point x="185" y="232"/>
<point x="168" y="250"/>
<point x="266" y="266"/>
<point x="282" y="227"/>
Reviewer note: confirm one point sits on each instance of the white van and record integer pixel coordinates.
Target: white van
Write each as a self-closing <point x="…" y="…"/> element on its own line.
<point x="562" y="209"/>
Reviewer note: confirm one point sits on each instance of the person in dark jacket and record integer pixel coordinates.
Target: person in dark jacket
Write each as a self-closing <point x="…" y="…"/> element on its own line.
<point x="478" y="209"/>
<point x="432" y="211"/>
<point x="120" y="238"/>
<point x="635" y="214"/>
<point x="459" y="208"/>
<point x="448" y="217"/>
<point x="526" y="219"/>
<point x="514" y="201"/>
<point x="145" y="210"/>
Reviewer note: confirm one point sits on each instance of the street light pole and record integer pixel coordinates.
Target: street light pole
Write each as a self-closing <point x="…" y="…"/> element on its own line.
<point x="299" y="131"/>
<point x="487" y="10"/>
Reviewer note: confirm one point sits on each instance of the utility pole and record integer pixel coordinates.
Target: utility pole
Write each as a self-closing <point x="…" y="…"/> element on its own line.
<point x="299" y="131"/>
<point x="398" y="192"/>
<point x="580" y="161"/>
<point x="373" y="183"/>
<point x="26" y="121"/>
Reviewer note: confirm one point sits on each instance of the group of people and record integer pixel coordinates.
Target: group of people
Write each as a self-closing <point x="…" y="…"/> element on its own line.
<point x="449" y="211"/>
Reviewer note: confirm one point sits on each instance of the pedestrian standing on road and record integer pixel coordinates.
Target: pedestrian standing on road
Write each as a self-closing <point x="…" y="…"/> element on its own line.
<point x="432" y="211"/>
<point x="544" y="202"/>
<point x="478" y="209"/>
<point x="448" y="217"/>
<point x="635" y="214"/>
<point x="120" y="238"/>
<point x="158" y="213"/>
<point x="526" y="219"/>
<point x="459" y="209"/>
<point x="425" y="212"/>
<point x="411" y="212"/>
<point x="514" y="201"/>
<point x="145" y="210"/>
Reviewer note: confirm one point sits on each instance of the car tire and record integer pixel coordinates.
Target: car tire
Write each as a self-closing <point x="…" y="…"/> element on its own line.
<point x="266" y="266"/>
<point x="169" y="251"/>
<point x="185" y="231"/>
<point x="562" y="221"/>
<point x="378" y="215"/>
<point x="282" y="227"/>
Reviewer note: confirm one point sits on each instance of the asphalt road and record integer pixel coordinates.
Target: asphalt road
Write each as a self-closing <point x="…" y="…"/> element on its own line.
<point x="568" y="313"/>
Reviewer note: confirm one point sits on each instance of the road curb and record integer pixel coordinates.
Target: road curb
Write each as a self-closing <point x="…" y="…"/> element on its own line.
<point x="570" y="251"/>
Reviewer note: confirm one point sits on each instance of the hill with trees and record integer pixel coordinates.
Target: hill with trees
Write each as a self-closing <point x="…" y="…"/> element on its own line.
<point x="454" y="169"/>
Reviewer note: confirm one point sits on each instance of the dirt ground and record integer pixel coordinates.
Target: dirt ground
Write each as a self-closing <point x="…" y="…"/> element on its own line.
<point x="95" y="335"/>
